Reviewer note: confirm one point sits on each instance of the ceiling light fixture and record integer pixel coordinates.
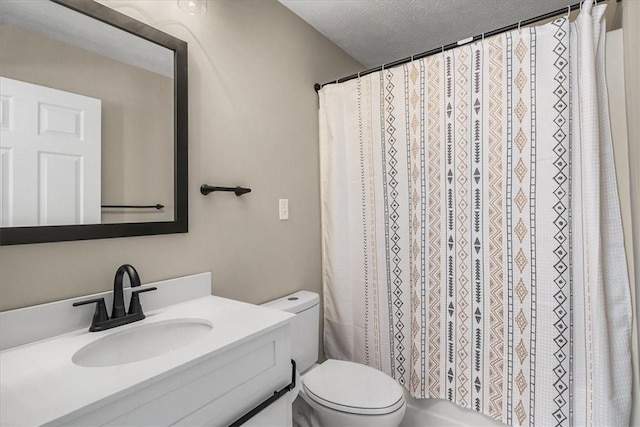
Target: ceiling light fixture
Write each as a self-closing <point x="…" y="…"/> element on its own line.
<point x="193" y="7"/>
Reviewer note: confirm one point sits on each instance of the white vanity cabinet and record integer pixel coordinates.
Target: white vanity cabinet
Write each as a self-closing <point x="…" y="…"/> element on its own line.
<point x="242" y="358"/>
<point x="212" y="391"/>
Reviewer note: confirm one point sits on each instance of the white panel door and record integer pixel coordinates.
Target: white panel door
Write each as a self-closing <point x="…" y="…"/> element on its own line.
<point x="49" y="156"/>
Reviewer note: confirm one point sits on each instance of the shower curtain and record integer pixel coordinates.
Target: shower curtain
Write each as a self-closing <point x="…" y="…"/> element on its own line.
<point x="472" y="241"/>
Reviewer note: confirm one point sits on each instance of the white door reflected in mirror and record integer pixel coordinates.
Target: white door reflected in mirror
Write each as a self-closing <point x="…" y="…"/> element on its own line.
<point x="50" y="156"/>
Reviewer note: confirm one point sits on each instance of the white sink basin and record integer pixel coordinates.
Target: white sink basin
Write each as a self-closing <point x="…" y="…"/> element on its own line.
<point x="142" y="342"/>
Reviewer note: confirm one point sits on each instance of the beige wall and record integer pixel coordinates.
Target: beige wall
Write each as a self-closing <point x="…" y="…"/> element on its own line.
<point x="137" y="116"/>
<point x="252" y="122"/>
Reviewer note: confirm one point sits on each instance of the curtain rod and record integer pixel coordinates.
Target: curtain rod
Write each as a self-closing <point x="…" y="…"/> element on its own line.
<point x="319" y="86"/>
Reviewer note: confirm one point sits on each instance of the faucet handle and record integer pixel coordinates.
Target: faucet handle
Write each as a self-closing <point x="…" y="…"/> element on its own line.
<point x="100" y="315"/>
<point x="134" y="305"/>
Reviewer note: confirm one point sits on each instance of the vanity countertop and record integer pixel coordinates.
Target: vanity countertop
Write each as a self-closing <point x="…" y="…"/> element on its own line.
<point x="41" y="384"/>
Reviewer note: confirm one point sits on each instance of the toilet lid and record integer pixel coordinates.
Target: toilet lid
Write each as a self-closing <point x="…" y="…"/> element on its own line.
<point x="353" y="388"/>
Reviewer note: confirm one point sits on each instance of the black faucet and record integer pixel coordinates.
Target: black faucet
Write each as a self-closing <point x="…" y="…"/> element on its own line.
<point x="119" y="316"/>
<point x="118" y="296"/>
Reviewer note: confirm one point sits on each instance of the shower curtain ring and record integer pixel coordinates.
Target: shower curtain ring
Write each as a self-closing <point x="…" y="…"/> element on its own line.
<point x="519" y="22"/>
<point x="411" y="58"/>
<point x="568" y="11"/>
<point x="482" y="36"/>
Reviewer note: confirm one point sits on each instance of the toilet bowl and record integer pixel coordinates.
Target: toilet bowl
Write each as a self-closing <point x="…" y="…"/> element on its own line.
<point x="336" y="392"/>
<point x="350" y="394"/>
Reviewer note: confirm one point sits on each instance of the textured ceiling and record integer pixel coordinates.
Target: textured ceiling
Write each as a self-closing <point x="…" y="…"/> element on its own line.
<point x="376" y="32"/>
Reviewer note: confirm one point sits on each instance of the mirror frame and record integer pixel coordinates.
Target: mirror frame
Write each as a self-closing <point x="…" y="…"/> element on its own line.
<point x="180" y="223"/>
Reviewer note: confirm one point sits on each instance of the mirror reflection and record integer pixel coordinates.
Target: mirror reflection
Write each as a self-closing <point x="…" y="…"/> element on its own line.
<point x="86" y="119"/>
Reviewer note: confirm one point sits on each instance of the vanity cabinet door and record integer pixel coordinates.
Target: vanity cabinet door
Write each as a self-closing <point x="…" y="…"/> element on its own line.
<point x="276" y="414"/>
<point x="279" y="413"/>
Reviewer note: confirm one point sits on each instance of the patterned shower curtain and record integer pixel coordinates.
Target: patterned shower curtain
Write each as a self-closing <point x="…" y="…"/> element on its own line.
<point x="472" y="241"/>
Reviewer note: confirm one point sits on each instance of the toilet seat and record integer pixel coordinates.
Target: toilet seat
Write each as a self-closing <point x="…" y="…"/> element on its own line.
<point x="353" y="388"/>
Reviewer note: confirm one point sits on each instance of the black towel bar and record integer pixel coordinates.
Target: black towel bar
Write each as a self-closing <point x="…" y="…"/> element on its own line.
<point x="239" y="191"/>
<point x="158" y="206"/>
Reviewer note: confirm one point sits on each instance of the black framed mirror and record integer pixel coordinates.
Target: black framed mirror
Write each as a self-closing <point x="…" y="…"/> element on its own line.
<point x="138" y="184"/>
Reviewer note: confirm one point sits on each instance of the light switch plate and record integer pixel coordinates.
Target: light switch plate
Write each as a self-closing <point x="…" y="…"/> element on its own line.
<point x="284" y="209"/>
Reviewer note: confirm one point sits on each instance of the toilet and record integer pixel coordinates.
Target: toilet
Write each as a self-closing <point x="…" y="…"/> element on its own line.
<point x="338" y="393"/>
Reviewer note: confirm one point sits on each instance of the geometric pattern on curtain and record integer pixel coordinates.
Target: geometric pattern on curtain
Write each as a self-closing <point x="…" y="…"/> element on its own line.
<point x="446" y="213"/>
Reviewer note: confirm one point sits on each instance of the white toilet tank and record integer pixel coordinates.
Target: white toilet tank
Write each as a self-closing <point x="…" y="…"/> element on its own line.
<point x="305" y="326"/>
